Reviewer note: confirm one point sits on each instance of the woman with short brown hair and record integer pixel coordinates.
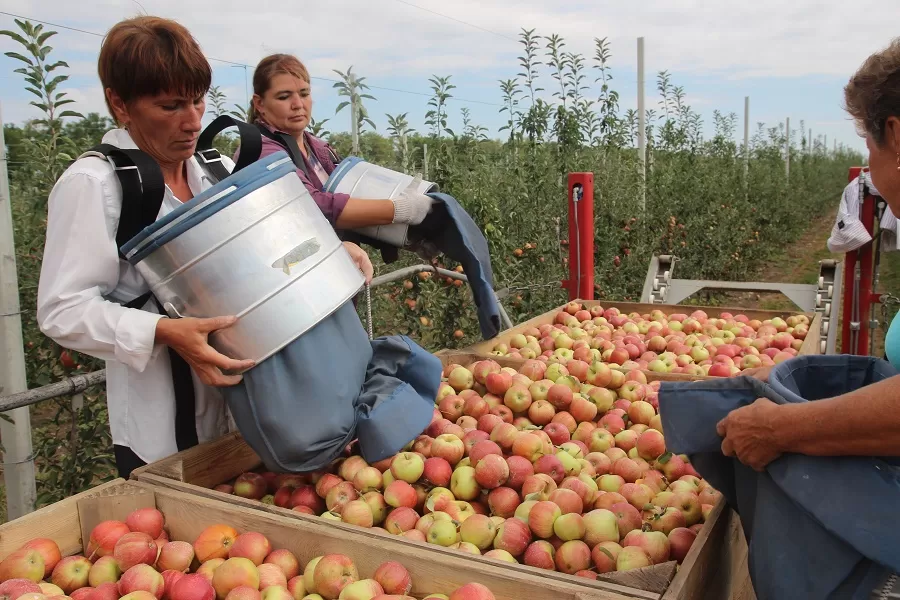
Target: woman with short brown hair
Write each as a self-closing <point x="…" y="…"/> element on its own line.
<point x="155" y="79"/>
<point x="282" y="105"/>
<point x="760" y="433"/>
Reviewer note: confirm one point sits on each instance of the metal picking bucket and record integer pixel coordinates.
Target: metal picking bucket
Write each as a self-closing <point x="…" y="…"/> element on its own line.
<point x="359" y="179"/>
<point x="256" y="246"/>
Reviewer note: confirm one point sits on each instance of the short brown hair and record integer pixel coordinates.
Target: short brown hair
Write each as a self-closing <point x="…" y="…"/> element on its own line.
<point x="873" y="93"/>
<point x="146" y="56"/>
<point x="268" y="68"/>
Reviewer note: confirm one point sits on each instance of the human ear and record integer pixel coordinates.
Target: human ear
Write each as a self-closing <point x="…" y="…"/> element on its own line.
<point x="892" y="135"/>
<point x="120" y="110"/>
<point x="256" y="100"/>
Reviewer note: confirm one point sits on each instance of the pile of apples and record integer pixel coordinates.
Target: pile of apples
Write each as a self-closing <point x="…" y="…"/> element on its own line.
<point x="133" y="560"/>
<point x="536" y="466"/>
<point x="694" y="344"/>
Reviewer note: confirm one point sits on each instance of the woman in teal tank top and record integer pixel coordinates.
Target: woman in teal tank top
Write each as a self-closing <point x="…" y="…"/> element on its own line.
<point x="865" y="422"/>
<point x="892" y="342"/>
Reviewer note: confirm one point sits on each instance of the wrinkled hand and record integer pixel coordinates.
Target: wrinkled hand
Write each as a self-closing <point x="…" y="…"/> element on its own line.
<point x="361" y="259"/>
<point x="749" y="434"/>
<point x="189" y="337"/>
<point x="761" y="373"/>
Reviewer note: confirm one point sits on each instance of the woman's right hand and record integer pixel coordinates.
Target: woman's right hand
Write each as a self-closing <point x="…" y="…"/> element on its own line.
<point x="189" y="338"/>
<point x="412" y="206"/>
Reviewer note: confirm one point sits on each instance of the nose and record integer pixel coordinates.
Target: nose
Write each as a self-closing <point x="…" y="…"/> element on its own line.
<point x="193" y="119"/>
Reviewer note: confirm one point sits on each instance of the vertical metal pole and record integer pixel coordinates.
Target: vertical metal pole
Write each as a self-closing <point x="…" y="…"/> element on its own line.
<point x="746" y="143"/>
<point x="642" y="123"/>
<point x="425" y="161"/>
<point x="18" y="461"/>
<point x="825" y="145"/>
<point x="787" y="149"/>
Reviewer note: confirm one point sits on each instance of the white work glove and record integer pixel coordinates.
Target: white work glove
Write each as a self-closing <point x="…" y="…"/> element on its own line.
<point x="411" y="206"/>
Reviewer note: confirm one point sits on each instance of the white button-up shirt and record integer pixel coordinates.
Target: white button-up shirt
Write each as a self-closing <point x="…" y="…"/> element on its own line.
<point x="849" y="234"/>
<point x="83" y="281"/>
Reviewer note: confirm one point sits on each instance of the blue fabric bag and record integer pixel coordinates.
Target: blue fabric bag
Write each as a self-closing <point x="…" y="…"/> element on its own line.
<point x="817" y="527"/>
<point x="300" y="408"/>
<point x="450" y="228"/>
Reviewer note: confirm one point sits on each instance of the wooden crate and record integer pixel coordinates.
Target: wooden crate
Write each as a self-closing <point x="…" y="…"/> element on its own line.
<point x="810" y="344"/>
<point x="70" y="522"/>
<point x="197" y="470"/>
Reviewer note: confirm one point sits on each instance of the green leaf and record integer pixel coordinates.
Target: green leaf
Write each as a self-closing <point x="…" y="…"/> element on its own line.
<point x="55" y="82"/>
<point x="20" y="57"/>
<point x="45" y="36"/>
<point x="71" y="113"/>
<point x="56" y="65"/>
<point x="664" y="458"/>
<point x="341" y="106"/>
<point x="15" y="36"/>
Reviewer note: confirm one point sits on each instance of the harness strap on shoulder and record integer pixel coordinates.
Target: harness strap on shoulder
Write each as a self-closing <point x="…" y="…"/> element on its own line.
<point x="290" y="146"/>
<point x="143" y="189"/>
<point x="251" y="145"/>
<point x="335" y="157"/>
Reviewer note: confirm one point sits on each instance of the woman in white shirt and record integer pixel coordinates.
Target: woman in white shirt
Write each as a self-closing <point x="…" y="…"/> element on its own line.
<point x="162" y="374"/>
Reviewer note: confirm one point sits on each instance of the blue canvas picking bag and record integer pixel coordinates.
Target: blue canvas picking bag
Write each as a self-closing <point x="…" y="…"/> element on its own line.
<point x="300" y="408"/>
<point x="818" y="527"/>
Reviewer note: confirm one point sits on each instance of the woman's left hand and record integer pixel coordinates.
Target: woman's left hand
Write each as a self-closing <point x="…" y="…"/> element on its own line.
<point x="361" y="259"/>
<point x="750" y="434"/>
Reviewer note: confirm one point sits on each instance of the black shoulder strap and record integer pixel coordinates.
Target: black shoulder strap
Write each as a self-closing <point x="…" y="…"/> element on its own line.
<point x="209" y="157"/>
<point x="290" y="146"/>
<point x="335" y="157"/>
<point x="143" y="189"/>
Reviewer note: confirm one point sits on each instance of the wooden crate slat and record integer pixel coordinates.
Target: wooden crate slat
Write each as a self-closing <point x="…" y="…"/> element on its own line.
<point x="54" y="521"/>
<point x="187" y="515"/>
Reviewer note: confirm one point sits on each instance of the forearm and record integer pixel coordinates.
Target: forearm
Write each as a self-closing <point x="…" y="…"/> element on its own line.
<point x="865" y="422"/>
<point x="363" y="213"/>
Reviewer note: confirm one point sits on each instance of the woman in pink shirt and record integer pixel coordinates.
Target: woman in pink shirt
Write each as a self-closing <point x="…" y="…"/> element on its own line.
<point x="282" y="104"/>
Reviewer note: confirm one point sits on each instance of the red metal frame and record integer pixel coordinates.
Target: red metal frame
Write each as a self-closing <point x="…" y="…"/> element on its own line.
<point x="867" y="296"/>
<point x="581" y="236"/>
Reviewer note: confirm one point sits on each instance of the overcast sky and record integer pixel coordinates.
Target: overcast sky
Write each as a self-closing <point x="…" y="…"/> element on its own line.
<point x="791" y="57"/>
